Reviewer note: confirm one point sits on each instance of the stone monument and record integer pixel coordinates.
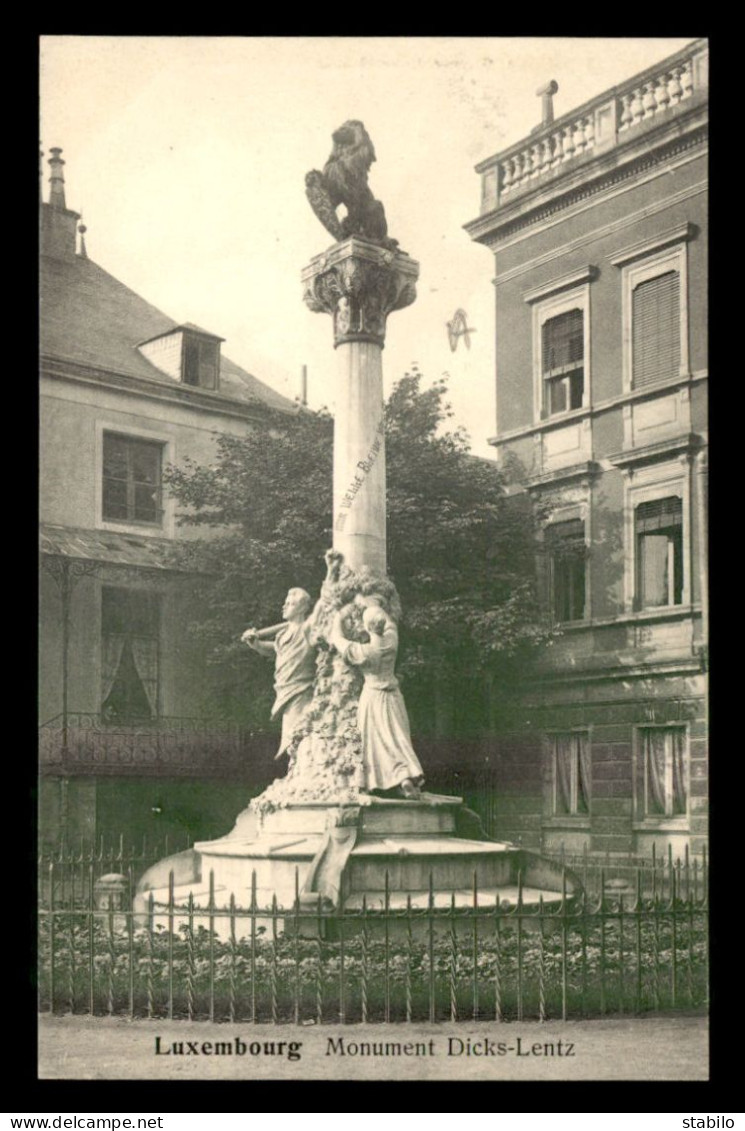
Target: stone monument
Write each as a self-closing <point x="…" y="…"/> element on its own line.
<point x="318" y="832"/>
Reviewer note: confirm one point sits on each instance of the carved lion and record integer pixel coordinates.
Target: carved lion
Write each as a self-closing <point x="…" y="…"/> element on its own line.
<point x="344" y="181"/>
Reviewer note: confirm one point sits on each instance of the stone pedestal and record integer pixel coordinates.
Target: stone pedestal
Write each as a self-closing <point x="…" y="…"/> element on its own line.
<point x="360" y="284"/>
<point x="310" y="858"/>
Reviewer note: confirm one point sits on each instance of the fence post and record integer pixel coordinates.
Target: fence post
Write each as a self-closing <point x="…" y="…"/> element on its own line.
<point x="564" y="977"/>
<point x="211" y="926"/>
<point x="253" y="946"/>
<point x="387" y="988"/>
<point x="602" y="909"/>
<point x="233" y="955"/>
<point x="296" y="948"/>
<point x="130" y="941"/>
<point x="475" y="948"/>
<point x="170" y="943"/>
<point x="431" y="947"/>
<point x="51" y="936"/>
<point x="520" y="945"/>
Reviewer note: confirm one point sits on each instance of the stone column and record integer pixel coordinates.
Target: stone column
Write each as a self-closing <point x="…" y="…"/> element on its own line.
<point x="359" y="283"/>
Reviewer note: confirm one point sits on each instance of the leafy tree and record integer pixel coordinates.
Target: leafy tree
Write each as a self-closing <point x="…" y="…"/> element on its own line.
<point x="461" y="552"/>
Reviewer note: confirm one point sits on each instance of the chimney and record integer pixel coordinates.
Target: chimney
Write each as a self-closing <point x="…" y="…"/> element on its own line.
<point x="304" y="386"/>
<point x="58" y="222"/>
<point x="56" y="180"/>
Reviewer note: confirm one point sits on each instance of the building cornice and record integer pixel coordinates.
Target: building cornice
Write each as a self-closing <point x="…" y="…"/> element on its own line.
<point x="562" y="283"/>
<point x="61" y="369"/>
<point x="642" y="248"/>
<point x="590" y="179"/>
<point x="651" y="453"/>
<point x="628" y="220"/>
<point x="577" y="472"/>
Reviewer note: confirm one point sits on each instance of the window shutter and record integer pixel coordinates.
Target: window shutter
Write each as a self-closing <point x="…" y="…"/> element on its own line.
<point x="659" y="514"/>
<point x="563" y="342"/>
<point x="656" y="329"/>
<point x="573" y="529"/>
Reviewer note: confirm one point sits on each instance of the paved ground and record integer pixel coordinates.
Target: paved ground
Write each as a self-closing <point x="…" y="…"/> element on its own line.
<point x="649" y="1048"/>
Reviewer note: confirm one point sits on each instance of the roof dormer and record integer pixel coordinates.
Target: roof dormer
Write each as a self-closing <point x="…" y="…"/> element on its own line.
<point x="187" y="354"/>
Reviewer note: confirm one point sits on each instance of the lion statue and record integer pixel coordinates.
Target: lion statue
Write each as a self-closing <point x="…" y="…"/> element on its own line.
<point x="344" y="181"/>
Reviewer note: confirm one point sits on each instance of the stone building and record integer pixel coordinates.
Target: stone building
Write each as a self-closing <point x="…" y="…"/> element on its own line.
<point x="598" y="223"/>
<point x="125" y="391"/>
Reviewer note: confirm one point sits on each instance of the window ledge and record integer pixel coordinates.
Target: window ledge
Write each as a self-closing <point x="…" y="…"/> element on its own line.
<point x="643" y="616"/>
<point x="580" y="822"/>
<point x="155" y="529"/>
<point x="661" y="825"/>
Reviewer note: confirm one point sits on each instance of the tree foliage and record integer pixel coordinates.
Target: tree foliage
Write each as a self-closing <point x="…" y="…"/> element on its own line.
<point x="461" y="552"/>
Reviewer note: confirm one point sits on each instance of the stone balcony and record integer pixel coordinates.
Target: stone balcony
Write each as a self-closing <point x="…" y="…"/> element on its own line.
<point x="658" y="99"/>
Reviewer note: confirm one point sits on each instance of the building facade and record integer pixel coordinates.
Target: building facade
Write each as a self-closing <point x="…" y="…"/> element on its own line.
<point x="125" y="391"/>
<point x="598" y="225"/>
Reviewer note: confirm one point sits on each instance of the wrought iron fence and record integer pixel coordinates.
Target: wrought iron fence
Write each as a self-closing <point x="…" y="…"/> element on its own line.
<point x="420" y="961"/>
<point x="68" y="872"/>
<point x="85" y="741"/>
<point x="659" y="874"/>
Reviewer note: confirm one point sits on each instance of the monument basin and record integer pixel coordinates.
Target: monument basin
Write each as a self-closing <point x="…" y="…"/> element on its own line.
<point x="307" y="865"/>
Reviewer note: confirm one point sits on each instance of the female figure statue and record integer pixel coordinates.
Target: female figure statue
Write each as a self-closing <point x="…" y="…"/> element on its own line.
<point x="388" y="756"/>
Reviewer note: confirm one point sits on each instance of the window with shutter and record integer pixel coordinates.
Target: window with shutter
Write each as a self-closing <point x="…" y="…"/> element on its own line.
<point x="656" y="329"/>
<point x="562" y="353"/>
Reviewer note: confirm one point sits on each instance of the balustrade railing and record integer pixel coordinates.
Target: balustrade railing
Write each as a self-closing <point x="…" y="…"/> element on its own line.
<point x="597" y="125"/>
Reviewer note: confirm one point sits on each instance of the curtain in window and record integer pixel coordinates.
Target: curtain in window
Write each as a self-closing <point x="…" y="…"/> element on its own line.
<point x="145" y="656"/>
<point x="585" y="774"/>
<point x="655" y="747"/>
<point x="680" y="798"/>
<point x="111" y="656"/>
<point x="564" y="757"/>
<point x="656" y="329"/>
<point x="655" y="570"/>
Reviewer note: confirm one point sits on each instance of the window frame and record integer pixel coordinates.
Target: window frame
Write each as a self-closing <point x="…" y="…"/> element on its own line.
<point x="640" y="271"/>
<point x="156" y="596"/>
<point x="643" y="818"/>
<point x="576" y="298"/>
<point x="550" y="539"/>
<point x="575" y="816"/>
<point x="201" y="343"/>
<point x="677" y="549"/>
<point x="165" y="527"/>
<point x="650" y="484"/>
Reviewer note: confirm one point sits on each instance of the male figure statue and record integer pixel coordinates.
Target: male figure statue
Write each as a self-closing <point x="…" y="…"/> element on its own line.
<point x="294" y="662"/>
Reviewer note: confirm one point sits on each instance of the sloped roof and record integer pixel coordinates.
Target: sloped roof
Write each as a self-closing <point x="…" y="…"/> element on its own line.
<point x="107" y="546"/>
<point x="88" y="317"/>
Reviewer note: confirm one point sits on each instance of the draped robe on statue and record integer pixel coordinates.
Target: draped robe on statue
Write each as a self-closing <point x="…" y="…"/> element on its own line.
<point x="383" y="723"/>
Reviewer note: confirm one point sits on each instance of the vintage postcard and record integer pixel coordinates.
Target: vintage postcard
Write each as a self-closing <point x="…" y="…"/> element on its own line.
<point x="374" y="622"/>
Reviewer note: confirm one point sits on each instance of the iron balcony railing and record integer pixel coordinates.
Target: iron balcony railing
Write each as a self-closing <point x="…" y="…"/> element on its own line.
<point x="86" y="740"/>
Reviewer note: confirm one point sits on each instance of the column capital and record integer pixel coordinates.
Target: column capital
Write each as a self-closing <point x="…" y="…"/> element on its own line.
<point x="359" y="283"/>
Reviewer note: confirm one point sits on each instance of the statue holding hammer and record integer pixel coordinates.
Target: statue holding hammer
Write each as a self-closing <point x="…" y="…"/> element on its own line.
<point x="294" y="652"/>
